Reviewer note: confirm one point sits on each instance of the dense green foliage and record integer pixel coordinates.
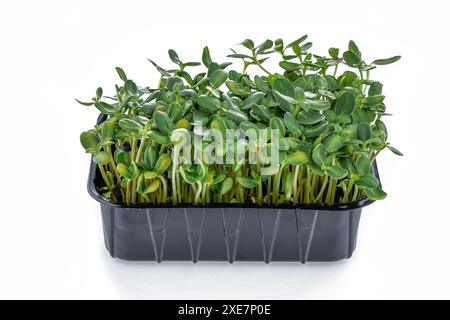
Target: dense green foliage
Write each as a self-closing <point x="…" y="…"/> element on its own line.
<point x="330" y="125"/>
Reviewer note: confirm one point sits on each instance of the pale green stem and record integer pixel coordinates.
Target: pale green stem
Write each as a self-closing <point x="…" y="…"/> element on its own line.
<point x="197" y="194"/>
<point x="322" y="189"/>
<point x="141" y="147"/>
<point x="295" y="183"/>
<point x="347" y="192"/>
<point x="204" y="193"/>
<point x="164" y="183"/>
<point x="174" y="173"/>
<point x="255" y="60"/>
<point x="375" y="155"/>
<point x="355" y="194"/>
<point x="307" y="186"/>
<point x="276" y="184"/>
<point x="260" y="193"/>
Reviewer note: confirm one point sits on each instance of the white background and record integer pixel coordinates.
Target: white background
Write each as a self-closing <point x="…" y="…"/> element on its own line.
<point x="51" y="243"/>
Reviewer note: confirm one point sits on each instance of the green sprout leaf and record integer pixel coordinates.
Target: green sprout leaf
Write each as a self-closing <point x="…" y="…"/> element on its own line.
<point x="318" y="155"/>
<point x="85" y="103"/>
<point x="246" y="182"/>
<point x="336" y="173"/>
<point x="333" y="142"/>
<point x="218" y="78"/>
<point x="158" y="137"/>
<point x="163" y="122"/>
<point x="284" y="100"/>
<point x="99" y="93"/>
<point x="367" y="181"/>
<point x="130" y="87"/>
<point x="209" y="103"/>
<point x="375" y="193"/>
<point x="364" y="131"/>
<point x="105" y="108"/>
<point x="130" y="125"/>
<point x="334" y="53"/>
<point x="395" y="150"/>
<point x="163" y="163"/>
<point x="345" y="104"/>
<point x="102" y="158"/>
<point x="174" y="57"/>
<point x="352" y="59"/>
<point x="150" y="175"/>
<point x="227" y="185"/>
<point x="150" y="157"/>
<point x="122" y="157"/>
<point x="206" y="57"/>
<point x="152" y="187"/>
<point x="249" y="44"/>
<point x="291" y="124"/>
<point x="382" y="62"/>
<point x="309" y="117"/>
<point x="124" y="171"/>
<point x="89" y="140"/>
<point x="363" y="165"/>
<point x="187" y="93"/>
<point x="318" y="105"/>
<point x="290" y="66"/>
<point x="108" y="130"/>
<point x="121" y="73"/>
<point x="297" y="158"/>
<point x="236" y="87"/>
<point x="263" y="47"/>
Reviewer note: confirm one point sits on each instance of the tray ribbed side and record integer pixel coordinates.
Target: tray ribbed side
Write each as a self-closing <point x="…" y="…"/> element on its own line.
<point x="229" y="234"/>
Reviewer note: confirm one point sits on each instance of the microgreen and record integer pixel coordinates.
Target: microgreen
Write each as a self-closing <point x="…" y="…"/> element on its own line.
<point x="329" y="128"/>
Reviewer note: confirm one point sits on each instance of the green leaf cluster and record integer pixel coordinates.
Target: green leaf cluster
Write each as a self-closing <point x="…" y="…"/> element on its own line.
<point x="329" y="114"/>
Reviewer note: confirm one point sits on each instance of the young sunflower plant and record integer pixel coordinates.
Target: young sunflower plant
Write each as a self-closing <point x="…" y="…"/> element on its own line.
<point x="328" y="123"/>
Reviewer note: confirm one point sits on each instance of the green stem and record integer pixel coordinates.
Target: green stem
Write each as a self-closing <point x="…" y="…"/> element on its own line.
<point x="375" y="155"/>
<point x="133" y="147"/>
<point x="347" y="192"/>
<point x="139" y="152"/>
<point x="108" y="185"/>
<point x="113" y="163"/>
<point x="367" y="78"/>
<point x="276" y="184"/>
<point x="355" y="194"/>
<point x="322" y="189"/>
<point x="333" y="190"/>
<point x="208" y="198"/>
<point x="197" y="194"/>
<point x="313" y="185"/>
<point x="330" y="187"/>
<point x="295" y="183"/>
<point x="361" y="74"/>
<point x="260" y="193"/>
<point x="245" y="67"/>
<point x="174" y="172"/>
<point x="164" y="183"/>
<point x="133" y="156"/>
<point x="179" y="193"/>
<point x="128" y="191"/>
<point x="255" y="60"/>
<point x="335" y="69"/>
<point x="133" y="192"/>
<point x="307" y="186"/>
<point x="203" y="197"/>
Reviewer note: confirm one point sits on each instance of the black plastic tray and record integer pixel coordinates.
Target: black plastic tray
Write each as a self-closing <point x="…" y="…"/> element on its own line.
<point x="228" y="232"/>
